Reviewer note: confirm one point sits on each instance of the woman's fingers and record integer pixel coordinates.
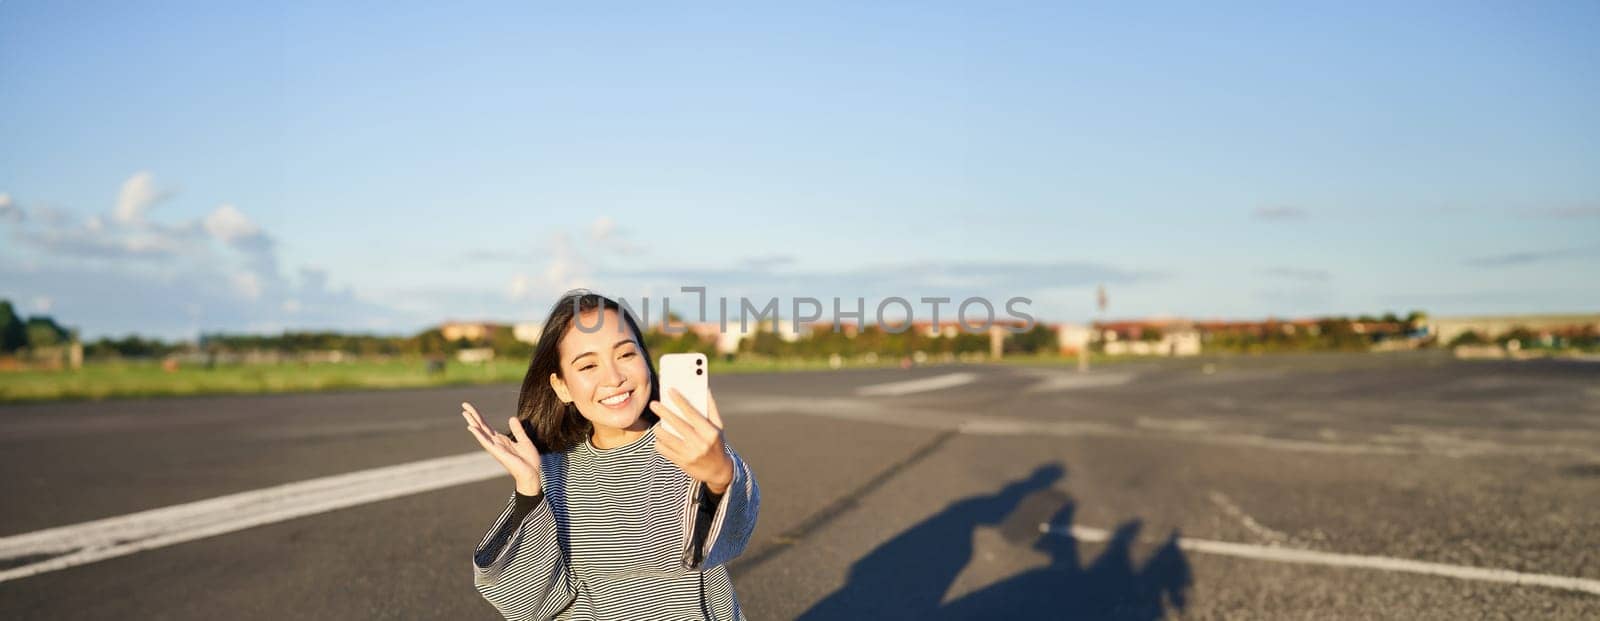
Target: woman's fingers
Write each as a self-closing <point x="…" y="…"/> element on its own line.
<point x="475" y="415"/>
<point x="473" y="419"/>
<point x="478" y="437"/>
<point x="711" y="410"/>
<point x="525" y="445"/>
<point x="499" y="452"/>
<point x="676" y="424"/>
<point x="700" y="458"/>
<point x="691" y="416"/>
<point x="660" y="410"/>
<point x="485" y="436"/>
<point x="672" y="448"/>
<point x="474" y="426"/>
<point x="673" y="439"/>
<point x="478" y="430"/>
<point x="510" y="448"/>
<point x="686" y="445"/>
<point x="496" y="445"/>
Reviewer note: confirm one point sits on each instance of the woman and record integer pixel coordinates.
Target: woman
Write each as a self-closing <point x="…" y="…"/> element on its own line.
<point x="618" y="513"/>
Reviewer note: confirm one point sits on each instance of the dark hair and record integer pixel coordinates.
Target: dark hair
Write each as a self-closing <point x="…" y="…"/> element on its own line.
<point x="556" y="427"/>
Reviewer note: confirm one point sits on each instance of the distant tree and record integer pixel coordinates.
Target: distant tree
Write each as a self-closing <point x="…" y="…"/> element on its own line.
<point x="971" y="342"/>
<point x="764" y="342"/>
<point x="432" y="342"/>
<point x="1523" y="336"/>
<point x="504" y="341"/>
<point x="45" y="332"/>
<point x="13" y="332"/>
<point x="1469" y="337"/>
<point x="871" y="338"/>
<point x="688" y="342"/>
<point x="1041" y="338"/>
<point x="130" y="346"/>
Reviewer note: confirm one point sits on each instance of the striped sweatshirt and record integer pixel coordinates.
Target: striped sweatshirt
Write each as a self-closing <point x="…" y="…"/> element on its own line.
<point x="614" y="535"/>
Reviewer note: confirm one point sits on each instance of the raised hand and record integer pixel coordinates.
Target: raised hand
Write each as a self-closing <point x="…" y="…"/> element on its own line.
<point x="694" y="442"/>
<point x="519" y="458"/>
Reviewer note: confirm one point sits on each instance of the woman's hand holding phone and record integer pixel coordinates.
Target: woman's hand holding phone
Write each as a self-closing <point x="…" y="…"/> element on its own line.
<point x="699" y="451"/>
<point x="519" y="458"/>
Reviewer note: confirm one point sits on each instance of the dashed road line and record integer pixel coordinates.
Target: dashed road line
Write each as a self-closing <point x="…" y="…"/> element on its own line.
<point x="937" y="382"/>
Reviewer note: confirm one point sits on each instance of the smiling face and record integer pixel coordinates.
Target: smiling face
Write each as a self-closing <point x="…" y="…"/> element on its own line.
<point x="604" y="372"/>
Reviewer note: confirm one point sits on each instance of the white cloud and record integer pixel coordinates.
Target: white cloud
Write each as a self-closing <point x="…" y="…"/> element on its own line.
<point x="220" y="272"/>
<point x="610" y="238"/>
<point x="42" y="303"/>
<point x="568" y="261"/>
<point x="9" y="209"/>
<point x="149" y="242"/>
<point x="567" y="269"/>
<point x="313" y="279"/>
<point x="247" y="284"/>
<point x="138" y="193"/>
<point x="603" y="228"/>
<point x="227" y="223"/>
<point x="518" y="289"/>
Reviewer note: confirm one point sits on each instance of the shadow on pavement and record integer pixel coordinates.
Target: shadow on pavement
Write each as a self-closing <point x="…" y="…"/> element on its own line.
<point x="908" y="576"/>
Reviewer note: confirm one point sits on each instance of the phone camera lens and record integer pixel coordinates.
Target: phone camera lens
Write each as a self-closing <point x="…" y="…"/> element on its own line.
<point x="699" y="361"/>
<point x="699" y="371"/>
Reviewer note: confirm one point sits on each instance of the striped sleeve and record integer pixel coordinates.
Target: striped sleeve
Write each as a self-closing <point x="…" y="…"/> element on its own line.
<point x="519" y="566"/>
<point x="733" y="522"/>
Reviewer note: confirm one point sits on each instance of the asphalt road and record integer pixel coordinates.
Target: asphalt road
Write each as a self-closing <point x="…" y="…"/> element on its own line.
<point x="915" y="505"/>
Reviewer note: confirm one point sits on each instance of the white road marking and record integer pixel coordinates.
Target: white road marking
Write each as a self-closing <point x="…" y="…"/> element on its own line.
<point x="1061" y="381"/>
<point x="1250" y="523"/>
<point x="1333" y="559"/>
<point x="966" y="422"/>
<point x="68" y="546"/>
<point x="77" y="544"/>
<point x="937" y="382"/>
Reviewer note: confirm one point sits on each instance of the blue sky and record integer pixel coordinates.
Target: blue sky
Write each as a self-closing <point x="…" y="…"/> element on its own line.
<point x="174" y="167"/>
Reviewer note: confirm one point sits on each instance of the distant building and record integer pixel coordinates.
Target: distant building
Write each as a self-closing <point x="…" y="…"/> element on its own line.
<point x="527" y="331"/>
<point x="706" y="330"/>
<point x="475" y="355"/>
<point x="726" y="341"/>
<point x="1259" y="328"/>
<point x="1446" y="329"/>
<point x="946" y="328"/>
<point x="470" y="330"/>
<point x="1148" y="337"/>
<point x="1072" y="338"/>
<point x="849" y="328"/>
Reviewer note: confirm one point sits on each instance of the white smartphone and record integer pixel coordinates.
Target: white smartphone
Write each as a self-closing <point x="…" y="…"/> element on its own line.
<point x="690" y="375"/>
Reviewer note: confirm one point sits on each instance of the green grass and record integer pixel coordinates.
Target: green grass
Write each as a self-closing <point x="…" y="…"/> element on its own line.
<point x="147" y="379"/>
<point x="105" y="380"/>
